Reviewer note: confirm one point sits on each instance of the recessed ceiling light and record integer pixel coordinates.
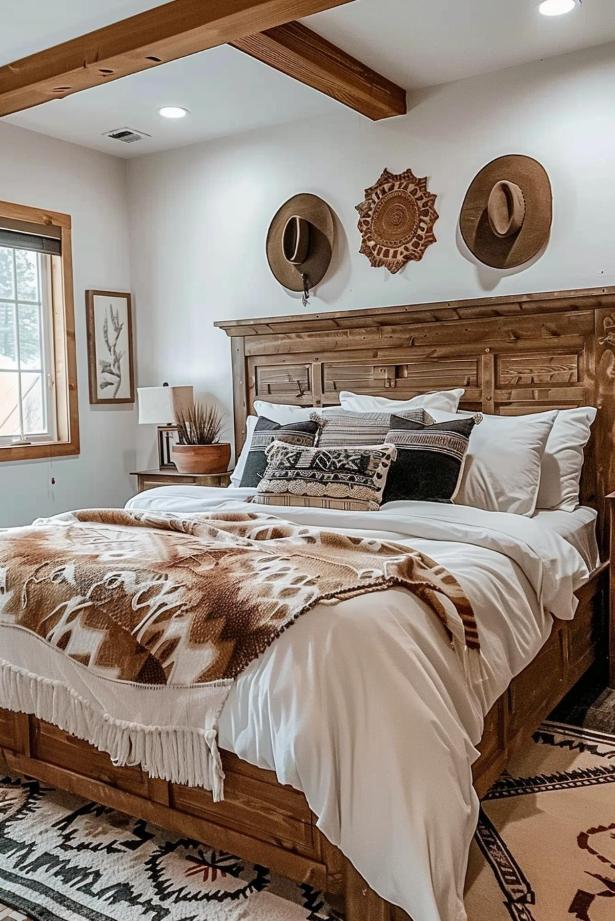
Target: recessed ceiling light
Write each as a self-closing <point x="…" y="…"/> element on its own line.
<point x="173" y="112"/>
<point x="557" y="7"/>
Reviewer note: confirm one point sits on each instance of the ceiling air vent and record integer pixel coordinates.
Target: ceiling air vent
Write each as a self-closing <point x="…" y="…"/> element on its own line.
<point x="126" y="135"/>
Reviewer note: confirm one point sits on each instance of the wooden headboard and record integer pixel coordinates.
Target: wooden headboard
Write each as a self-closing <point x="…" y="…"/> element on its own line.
<point x="513" y="355"/>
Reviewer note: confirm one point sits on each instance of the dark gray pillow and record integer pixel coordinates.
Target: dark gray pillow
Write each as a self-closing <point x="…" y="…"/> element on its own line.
<point x="302" y="434"/>
<point x="429" y="458"/>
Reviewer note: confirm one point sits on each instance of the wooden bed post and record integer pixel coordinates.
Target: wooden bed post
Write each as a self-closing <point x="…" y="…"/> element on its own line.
<point x="611" y="591"/>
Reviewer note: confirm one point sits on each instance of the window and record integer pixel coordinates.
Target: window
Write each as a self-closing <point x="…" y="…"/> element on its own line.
<point x="26" y="362"/>
<point x="38" y="397"/>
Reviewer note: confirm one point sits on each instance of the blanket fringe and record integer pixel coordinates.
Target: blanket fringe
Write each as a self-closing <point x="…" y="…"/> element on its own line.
<point x="178" y="755"/>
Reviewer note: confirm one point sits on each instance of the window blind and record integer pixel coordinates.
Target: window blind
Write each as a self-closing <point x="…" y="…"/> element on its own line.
<point x="38" y="238"/>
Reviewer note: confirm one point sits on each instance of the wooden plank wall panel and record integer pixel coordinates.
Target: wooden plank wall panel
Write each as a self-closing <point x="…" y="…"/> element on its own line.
<point x="510" y="334"/>
<point x="515" y="305"/>
<point x="540" y="380"/>
<point x="528" y="370"/>
<point x="283" y="383"/>
<point x="403" y="378"/>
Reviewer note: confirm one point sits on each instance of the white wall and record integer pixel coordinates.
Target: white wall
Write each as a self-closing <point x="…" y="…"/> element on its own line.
<point x="200" y="214"/>
<point x="38" y="171"/>
<point x="199" y="217"/>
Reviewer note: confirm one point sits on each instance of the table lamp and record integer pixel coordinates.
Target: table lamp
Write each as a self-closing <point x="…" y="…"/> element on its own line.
<point x="161" y="406"/>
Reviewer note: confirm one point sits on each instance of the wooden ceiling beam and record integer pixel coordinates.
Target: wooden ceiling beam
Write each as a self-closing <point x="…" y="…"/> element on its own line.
<point x="300" y="53"/>
<point x="164" y="33"/>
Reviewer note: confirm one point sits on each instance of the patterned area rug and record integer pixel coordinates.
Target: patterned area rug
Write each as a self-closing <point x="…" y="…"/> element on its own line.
<point x="544" y="851"/>
<point x="545" y="846"/>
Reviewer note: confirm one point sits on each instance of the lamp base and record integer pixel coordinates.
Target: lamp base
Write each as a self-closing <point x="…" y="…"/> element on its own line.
<point x="166" y="441"/>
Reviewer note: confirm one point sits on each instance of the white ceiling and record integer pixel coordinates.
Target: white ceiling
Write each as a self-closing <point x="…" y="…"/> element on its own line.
<point x="417" y="43"/>
<point x="224" y="90"/>
<point x="421" y="43"/>
<point x="30" y="25"/>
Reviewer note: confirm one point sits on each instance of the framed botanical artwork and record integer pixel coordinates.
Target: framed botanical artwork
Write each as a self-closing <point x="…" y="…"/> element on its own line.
<point x="110" y="347"/>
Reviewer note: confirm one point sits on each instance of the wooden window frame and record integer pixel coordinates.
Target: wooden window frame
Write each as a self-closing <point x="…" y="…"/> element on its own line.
<point x="64" y="350"/>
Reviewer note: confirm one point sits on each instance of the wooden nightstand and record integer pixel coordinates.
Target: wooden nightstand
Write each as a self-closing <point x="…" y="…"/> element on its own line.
<point x="148" y="479"/>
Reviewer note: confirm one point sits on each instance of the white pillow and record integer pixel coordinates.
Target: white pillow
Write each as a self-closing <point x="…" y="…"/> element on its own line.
<point x="240" y="463"/>
<point x="501" y="471"/>
<point x="283" y="413"/>
<point x="445" y="400"/>
<point x="562" y="464"/>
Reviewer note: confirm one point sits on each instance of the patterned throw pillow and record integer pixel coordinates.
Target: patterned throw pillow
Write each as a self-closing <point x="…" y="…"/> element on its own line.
<point x="351" y="478"/>
<point x="300" y="434"/>
<point x="342" y="427"/>
<point x="429" y="458"/>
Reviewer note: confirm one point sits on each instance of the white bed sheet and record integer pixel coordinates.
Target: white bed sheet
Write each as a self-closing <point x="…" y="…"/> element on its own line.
<point x="366" y="708"/>
<point x="577" y="527"/>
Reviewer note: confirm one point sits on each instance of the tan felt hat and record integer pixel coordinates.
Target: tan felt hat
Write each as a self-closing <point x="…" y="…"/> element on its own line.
<point x="300" y="241"/>
<point x="506" y="215"/>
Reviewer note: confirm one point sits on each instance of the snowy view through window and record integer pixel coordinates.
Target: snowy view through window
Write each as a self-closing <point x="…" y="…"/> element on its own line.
<point x="24" y="382"/>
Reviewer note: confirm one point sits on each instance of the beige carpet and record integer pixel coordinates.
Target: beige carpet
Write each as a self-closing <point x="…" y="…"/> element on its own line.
<point x="544" y="851"/>
<point x="8" y="914"/>
<point x="545" y="848"/>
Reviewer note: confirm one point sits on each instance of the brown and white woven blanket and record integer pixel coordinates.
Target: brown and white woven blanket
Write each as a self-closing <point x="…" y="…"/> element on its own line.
<point x="133" y="603"/>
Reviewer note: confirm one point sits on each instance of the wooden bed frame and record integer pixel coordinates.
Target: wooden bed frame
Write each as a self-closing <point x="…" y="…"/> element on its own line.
<point x="513" y="355"/>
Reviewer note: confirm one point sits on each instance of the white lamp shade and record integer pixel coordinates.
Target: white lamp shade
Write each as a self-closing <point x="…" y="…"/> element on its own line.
<point x="161" y="405"/>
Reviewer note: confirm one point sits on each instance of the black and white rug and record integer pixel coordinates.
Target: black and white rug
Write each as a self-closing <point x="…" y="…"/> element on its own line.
<point x="63" y="859"/>
<point x="544" y="851"/>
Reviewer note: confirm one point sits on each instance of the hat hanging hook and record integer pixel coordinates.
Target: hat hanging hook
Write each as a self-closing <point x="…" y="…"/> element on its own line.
<point x="306" y="289"/>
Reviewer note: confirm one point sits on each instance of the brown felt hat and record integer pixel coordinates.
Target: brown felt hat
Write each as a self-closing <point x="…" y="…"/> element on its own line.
<point x="506" y="215"/>
<point x="300" y="241"/>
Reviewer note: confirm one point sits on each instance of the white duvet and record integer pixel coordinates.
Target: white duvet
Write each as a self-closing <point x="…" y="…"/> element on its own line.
<point x="366" y="708"/>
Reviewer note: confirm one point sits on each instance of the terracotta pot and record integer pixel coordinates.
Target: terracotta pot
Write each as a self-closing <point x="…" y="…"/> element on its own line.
<point x="202" y="458"/>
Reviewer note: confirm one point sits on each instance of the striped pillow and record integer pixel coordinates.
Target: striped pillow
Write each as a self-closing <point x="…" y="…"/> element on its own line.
<point x="351" y="478"/>
<point x="342" y="427"/>
<point x="429" y="458"/>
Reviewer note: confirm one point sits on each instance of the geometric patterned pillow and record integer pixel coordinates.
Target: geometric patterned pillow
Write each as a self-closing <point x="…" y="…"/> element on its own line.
<point x="302" y="434"/>
<point x="429" y="458"/>
<point x="340" y="477"/>
<point x="343" y="427"/>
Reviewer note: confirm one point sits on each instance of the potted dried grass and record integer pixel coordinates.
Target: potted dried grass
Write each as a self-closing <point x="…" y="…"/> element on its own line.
<point x="199" y="449"/>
